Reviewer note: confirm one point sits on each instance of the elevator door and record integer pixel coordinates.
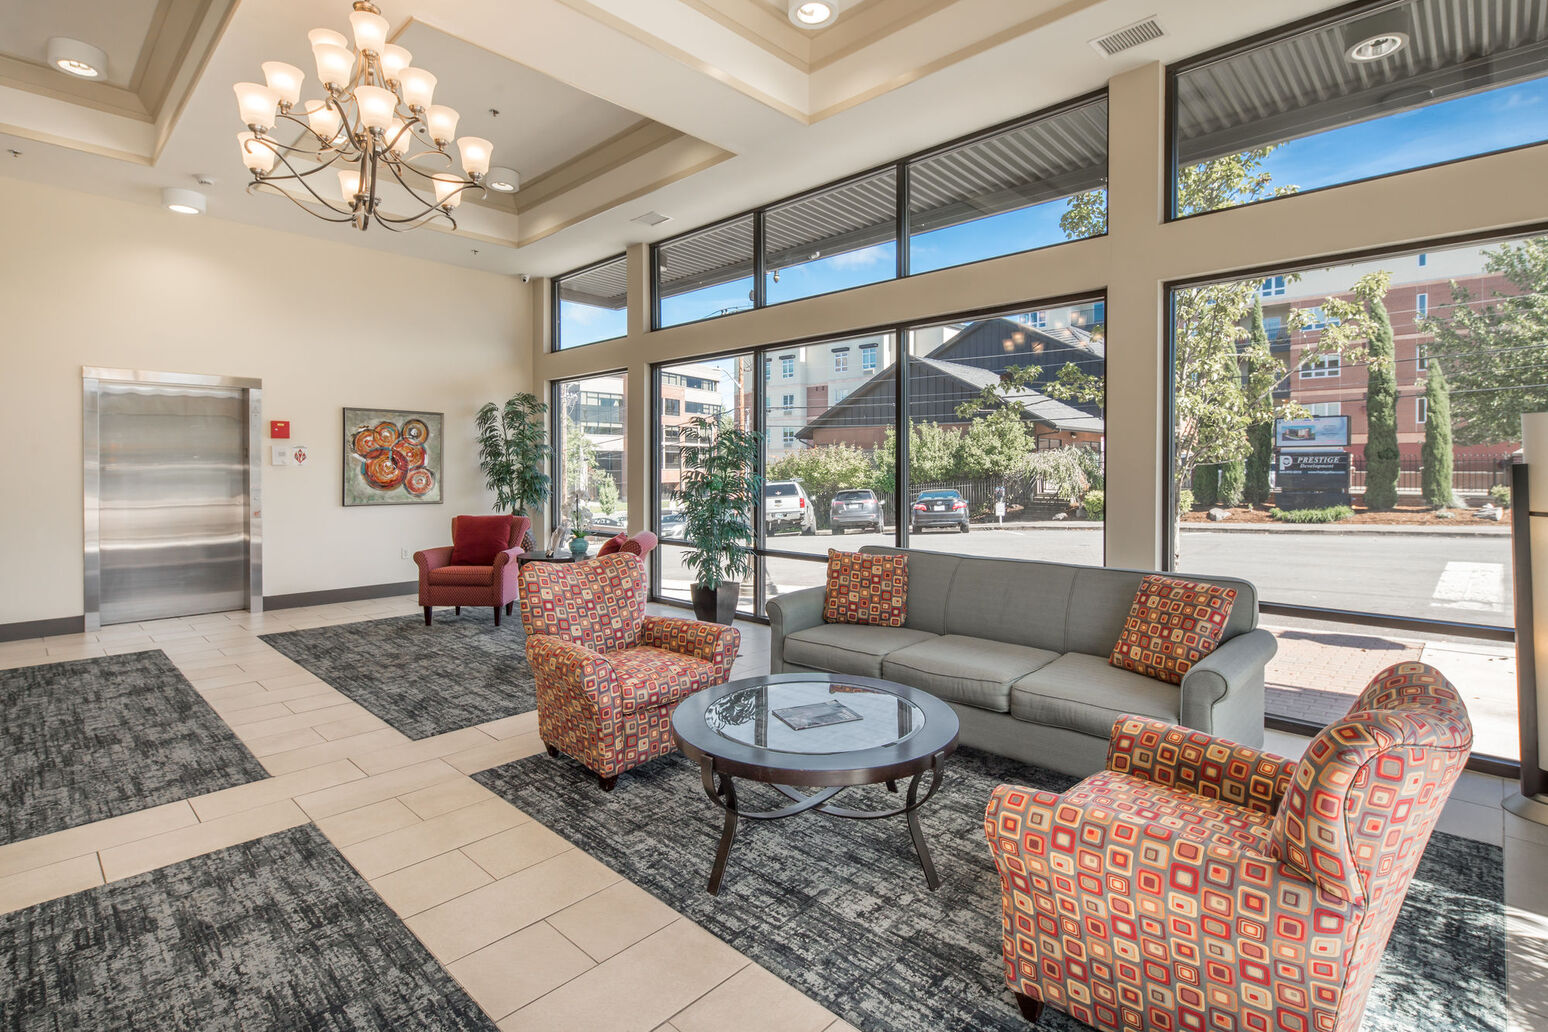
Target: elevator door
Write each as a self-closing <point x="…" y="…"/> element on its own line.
<point x="172" y="502"/>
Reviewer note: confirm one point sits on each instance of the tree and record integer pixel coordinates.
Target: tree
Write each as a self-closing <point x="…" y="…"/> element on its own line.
<point x="1496" y="350"/>
<point x="1205" y="484"/>
<point x="718" y="493"/>
<point x="1368" y="317"/>
<point x="1233" y="479"/>
<point x="825" y="470"/>
<point x="608" y="499"/>
<point x="1437" y="437"/>
<point x="1260" y="435"/>
<point x="994" y="445"/>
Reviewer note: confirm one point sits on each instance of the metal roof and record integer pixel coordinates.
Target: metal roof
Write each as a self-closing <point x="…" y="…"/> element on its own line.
<point x="1305" y="84"/>
<point x="603" y="286"/>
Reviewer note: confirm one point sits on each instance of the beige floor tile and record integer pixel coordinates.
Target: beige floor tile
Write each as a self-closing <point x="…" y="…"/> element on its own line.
<point x="315" y="701"/>
<point x="753" y="1000"/>
<point x="488" y="914"/>
<point x="346" y="829"/>
<point x="658" y="977"/>
<point x="1481" y="788"/>
<point x="89" y="838"/>
<point x="516" y="848"/>
<point x="238" y="696"/>
<point x="318" y="749"/>
<point x="51" y="882"/>
<point x="1473" y="820"/>
<point x="430" y="883"/>
<point x="510" y="727"/>
<point x="841" y="1026"/>
<point x="613" y="920"/>
<point x="170" y="847"/>
<point x="276" y="682"/>
<point x="398" y="849"/>
<point x="493" y="755"/>
<point x="1529" y="831"/>
<point x="291" y="721"/>
<point x="241" y="716"/>
<point x="214" y="678"/>
<point x="353" y="724"/>
<point x="445" y="797"/>
<point x="285" y="741"/>
<point x="374" y="789"/>
<point x="518" y="969"/>
<point x="272" y="790"/>
<point x="424" y="749"/>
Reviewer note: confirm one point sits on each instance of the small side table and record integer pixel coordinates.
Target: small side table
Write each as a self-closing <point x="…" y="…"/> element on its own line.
<point x="557" y="557"/>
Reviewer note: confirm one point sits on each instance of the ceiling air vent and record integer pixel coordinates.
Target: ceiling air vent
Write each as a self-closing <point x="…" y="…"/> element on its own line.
<point x="651" y="218"/>
<point x="1128" y="37"/>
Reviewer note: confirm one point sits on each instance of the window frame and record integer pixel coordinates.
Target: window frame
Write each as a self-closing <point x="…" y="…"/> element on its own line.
<point x="556" y="438"/>
<point x="555" y="342"/>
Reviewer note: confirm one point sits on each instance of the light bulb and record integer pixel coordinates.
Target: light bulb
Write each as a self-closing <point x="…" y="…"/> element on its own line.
<point x="418" y="87"/>
<point x="285" y="80"/>
<point x="370" y="31"/>
<point x="398" y="137"/>
<point x="256" y="103"/>
<point x="349" y="185"/>
<point x="448" y="191"/>
<point x="394" y="60"/>
<point x="376" y="106"/>
<point x="324" y="119"/>
<point x="256" y="155"/>
<point x="443" y="122"/>
<point x="475" y="154"/>
<point x="335" y="64"/>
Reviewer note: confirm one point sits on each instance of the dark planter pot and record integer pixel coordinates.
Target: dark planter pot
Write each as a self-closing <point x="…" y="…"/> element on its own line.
<point x="717" y="605"/>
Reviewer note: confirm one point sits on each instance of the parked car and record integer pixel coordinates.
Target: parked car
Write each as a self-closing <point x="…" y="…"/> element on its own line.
<point x="786" y="507"/>
<point x="609" y="524"/>
<point x="939" y="509"/>
<point x="856" y="508"/>
<point x="673" y="525"/>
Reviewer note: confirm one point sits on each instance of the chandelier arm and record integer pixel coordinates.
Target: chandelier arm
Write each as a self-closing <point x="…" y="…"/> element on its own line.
<point x="300" y="177"/>
<point x="425" y="218"/>
<point x="409" y="163"/>
<point x="257" y="183"/>
<point x="392" y="167"/>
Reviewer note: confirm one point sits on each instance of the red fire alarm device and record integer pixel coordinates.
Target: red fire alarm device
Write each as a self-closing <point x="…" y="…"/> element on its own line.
<point x="279" y="429"/>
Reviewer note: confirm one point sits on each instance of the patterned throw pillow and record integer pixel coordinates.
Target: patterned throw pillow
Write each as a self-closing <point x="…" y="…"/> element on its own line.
<point x="1171" y="626"/>
<point x="866" y="589"/>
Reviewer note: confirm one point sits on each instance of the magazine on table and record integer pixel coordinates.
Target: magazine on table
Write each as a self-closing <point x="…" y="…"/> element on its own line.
<point x="816" y="714"/>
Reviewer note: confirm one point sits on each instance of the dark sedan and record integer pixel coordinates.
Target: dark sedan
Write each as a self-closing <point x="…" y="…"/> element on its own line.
<point x="939" y="509"/>
<point x="856" y="508"/>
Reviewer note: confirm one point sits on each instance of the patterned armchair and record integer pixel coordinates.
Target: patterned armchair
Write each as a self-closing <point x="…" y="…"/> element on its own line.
<point x="444" y="583"/>
<point x="1197" y="883"/>
<point x="608" y="676"/>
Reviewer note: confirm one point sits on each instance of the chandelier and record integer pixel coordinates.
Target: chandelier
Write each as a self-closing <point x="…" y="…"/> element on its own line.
<point x="375" y="127"/>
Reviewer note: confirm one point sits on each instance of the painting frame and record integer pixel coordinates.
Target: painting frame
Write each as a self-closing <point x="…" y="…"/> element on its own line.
<point x="403" y="465"/>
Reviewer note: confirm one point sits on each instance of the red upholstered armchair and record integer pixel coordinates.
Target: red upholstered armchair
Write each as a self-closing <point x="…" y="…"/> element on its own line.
<point x="1200" y="884"/>
<point x="608" y="676"/>
<point x="474" y="570"/>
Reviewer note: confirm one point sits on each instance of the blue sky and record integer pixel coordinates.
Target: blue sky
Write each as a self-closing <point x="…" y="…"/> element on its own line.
<point x="1494" y="120"/>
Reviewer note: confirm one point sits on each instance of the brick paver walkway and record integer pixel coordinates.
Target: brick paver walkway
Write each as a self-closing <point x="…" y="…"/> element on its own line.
<point x="1317" y="674"/>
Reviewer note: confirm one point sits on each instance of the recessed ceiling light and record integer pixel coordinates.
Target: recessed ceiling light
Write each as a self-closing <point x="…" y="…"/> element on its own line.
<point x="502" y="179"/>
<point x="73" y="57"/>
<point x="184" y="202"/>
<point x="1377" y="36"/>
<point x="811" y="14"/>
<point x="1377" y="47"/>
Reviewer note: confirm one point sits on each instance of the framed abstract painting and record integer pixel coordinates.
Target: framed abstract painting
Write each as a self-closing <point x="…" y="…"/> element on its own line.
<point x="392" y="457"/>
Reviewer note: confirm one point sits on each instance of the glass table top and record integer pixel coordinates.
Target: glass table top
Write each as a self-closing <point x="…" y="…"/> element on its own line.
<point x="814" y="717"/>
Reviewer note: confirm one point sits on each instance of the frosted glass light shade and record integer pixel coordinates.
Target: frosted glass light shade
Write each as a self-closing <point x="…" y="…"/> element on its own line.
<point x="394" y="60"/>
<point x="376" y="105"/>
<point x="370" y="31"/>
<point x="323" y="118"/>
<point x="399" y="136"/>
<point x="349" y="185"/>
<point x="418" y="87"/>
<point x="335" y="64"/>
<point x="285" y="80"/>
<point x="259" y="157"/>
<point x="257" y="103"/>
<point x="442" y="121"/>
<point x="475" y="153"/>
<point x="317" y="36"/>
<point x="448" y="191"/>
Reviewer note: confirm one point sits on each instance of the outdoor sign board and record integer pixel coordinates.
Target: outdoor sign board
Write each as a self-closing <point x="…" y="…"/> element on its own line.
<point x="1308" y="479"/>
<point x="1313" y="432"/>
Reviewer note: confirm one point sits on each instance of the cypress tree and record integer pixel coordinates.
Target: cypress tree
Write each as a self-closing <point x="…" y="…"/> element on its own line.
<point x="1255" y="488"/>
<point x="1381" y="443"/>
<point x="1206" y="483"/>
<point x="1437" y="438"/>
<point x="1233" y="482"/>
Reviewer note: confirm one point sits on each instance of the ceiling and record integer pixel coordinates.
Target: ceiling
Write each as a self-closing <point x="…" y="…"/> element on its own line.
<point x="607" y="108"/>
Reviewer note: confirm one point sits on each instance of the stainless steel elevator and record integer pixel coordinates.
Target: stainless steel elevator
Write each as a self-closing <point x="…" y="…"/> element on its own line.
<point x="170" y="495"/>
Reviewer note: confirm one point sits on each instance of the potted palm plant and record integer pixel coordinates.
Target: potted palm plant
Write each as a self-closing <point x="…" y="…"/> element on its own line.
<point x="513" y="453"/>
<point x="718" y="494"/>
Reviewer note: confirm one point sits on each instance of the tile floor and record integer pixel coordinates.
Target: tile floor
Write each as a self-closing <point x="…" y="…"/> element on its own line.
<point x="539" y="934"/>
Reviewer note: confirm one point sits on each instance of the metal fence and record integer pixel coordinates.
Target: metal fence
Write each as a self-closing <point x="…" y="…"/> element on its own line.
<point x="1470" y="474"/>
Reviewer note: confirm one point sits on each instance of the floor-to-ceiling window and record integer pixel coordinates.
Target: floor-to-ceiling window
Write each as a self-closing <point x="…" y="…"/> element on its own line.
<point x="589" y="491"/>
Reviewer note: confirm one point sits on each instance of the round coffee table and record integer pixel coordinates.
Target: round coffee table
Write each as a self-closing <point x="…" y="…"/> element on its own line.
<point x="760" y="729"/>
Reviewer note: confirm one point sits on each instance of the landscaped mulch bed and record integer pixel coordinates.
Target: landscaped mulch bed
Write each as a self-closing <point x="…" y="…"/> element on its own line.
<point x="1409" y="515"/>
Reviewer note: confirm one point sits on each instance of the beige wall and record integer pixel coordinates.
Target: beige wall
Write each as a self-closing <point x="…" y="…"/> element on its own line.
<point x="1132" y="264"/>
<point x="87" y="281"/>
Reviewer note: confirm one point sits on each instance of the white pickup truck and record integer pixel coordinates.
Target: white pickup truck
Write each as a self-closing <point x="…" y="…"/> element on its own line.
<point x="786" y="507"/>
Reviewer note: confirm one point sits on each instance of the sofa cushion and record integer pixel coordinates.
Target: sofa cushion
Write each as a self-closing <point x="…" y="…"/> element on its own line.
<point x="1024" y="603"/>
<point x="1083" y="693"/>
<point x="476" y="540"/>
<point x="848" y="648"/>
<point x="866" y="589"/>
<point x="971" y="671"/>
<point x="1171" y="626"/>
<point x="649" y="677"/>
<point x="467" y="576"/>
<point x="929" y="585"/>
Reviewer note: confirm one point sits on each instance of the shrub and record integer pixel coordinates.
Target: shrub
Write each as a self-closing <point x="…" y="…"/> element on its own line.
<point x="1499" y="494"/>
<point x="1184" y="502"/>
<point x="1205" y="486"/>
<point x="1095" y="503"/>
<point x="1332" y="514"/>
<point x="1233" y="483"/>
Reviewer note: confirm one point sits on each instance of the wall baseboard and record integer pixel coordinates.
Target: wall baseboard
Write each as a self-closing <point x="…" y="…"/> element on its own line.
<point x="39" y="628"/>
<point x="322" y="598"/>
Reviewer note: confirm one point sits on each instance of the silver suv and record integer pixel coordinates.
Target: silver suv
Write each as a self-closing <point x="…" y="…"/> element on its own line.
<point x="786" y="507"/>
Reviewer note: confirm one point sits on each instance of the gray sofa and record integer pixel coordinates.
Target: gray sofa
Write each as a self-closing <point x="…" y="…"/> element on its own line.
<point x="1019" y="649"/>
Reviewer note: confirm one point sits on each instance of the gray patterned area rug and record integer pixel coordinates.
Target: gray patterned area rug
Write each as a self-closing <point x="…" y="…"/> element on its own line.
<point x="840" y="908"/>
<point x="277" y="933"/>
<point x="421" y="680"/>
<point x="95" y="738"/>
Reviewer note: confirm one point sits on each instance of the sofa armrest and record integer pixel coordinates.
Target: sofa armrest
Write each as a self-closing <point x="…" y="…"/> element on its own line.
<point x="433" y="558"/>
<point x="1223" y="692"/>
<point x="795" y="611"/>
<point x="1214" y="768"/>
<point x="711" y="642"/>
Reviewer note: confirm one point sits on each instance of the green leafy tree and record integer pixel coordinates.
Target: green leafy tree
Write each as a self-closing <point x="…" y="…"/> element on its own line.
<point x="1233" y="480"/>
<point x="824" y="471"/>
<point x="1348" y="323"/>
<point x="933" y="453"/>
<point x="1206" y="484"/>
<point x="608" y="499"/>
<point x="1069" y="472"/>
<point x="1437" y="437"/>
<point x="580" y="456"/>
<point x="995" y="445"/>
<point x="1260" y="435"/>
<point x="513" y="452"/>
<point x="1496" y="350"/>
<point x="717" y="493"/>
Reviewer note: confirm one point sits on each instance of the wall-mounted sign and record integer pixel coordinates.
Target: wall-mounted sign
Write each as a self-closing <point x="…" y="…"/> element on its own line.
<point x="1314" y="432"/>
<point x="298" y="453"/>
<point x="279" y="429"/>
